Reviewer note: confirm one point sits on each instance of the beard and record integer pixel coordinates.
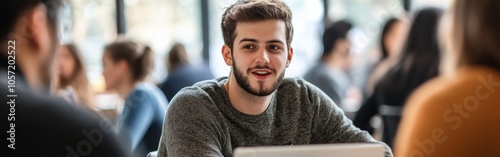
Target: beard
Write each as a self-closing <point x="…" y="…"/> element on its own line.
<point x="244" y="82"/>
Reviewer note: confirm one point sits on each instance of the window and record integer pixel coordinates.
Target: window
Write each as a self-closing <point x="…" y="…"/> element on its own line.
<point x="91" y="25"/>
<point x="161" y="23"/>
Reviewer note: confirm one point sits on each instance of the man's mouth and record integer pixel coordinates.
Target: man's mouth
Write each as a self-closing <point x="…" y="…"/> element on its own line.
<point x="261" y="74"/>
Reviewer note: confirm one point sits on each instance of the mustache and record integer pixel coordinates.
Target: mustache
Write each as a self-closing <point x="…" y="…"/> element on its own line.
<point x="261" y="67"/>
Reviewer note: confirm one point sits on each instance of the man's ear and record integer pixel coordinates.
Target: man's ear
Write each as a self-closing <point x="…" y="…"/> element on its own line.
<point x="32" y="28"/>
<point x="289" y="57"/>
<point x="226" y="54"/>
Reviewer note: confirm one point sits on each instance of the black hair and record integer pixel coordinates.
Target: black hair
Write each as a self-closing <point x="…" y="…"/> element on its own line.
<point x="337" y="30"/>
<point x="12" y="9"/>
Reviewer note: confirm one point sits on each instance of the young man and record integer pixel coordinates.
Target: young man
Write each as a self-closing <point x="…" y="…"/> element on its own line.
<point x="37" y="124"/>
<point x="330" y="74"/>
<point x="254" y="106"/>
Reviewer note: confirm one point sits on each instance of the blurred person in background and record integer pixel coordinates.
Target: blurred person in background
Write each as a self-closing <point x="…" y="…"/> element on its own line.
<point x="331" y="73"/>
<point x="391" y="42"/>
<point x="419" y="62"/>
<point x="126" y="65"/>
<point x="38" y="124"/>
<point x="181" y="73"/>
<point x="72" y="83"/>
<point x="457" y="113"/>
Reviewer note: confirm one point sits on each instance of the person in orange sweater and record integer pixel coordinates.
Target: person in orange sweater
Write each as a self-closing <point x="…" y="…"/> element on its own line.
<point x="458" y="113"/>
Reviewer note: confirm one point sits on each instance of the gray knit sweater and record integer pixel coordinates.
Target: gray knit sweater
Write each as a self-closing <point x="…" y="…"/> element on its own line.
<point x="202" y="122"/>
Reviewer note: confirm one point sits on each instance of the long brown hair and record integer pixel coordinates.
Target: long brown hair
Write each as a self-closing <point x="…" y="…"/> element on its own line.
<point x="476" y="33"/>
<point x="78" y="80"/>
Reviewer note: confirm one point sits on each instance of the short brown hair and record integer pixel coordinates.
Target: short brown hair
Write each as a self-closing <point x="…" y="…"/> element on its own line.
<point x="476" y="32"/>
<point x="253" y="11"/>
<point x="138" y="57"/>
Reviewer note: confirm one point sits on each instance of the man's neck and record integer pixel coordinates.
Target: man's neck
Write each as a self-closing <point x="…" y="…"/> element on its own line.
<point x="245" y="102"/>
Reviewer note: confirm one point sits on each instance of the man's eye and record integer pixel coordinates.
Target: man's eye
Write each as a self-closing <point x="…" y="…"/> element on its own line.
<point x="272" y="47"/>
<point x="248" y="47"/>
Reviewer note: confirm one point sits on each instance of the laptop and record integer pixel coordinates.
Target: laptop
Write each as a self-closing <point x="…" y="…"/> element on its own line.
<point x="322" y="150"/>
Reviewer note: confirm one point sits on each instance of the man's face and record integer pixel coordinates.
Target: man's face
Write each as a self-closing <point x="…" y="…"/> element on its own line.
<point x="343" y="52"/>
<point x="260" y="56"/>
<point x="35" y="32"/>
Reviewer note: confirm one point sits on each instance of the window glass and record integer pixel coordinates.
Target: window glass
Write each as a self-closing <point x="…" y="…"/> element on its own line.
<point x="90" y="24"/>
<point x="161" y="23"/>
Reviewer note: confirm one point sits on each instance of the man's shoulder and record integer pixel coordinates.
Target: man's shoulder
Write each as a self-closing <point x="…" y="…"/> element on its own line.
<point x="299" y="88"/>
<point x="207" y="87"/>
<point x="196" y="105"/>
<point x="200" y="94"/>
<point x="50" y="107"/>
<point x="296" y="84"/>
<point x="40" y="117"/>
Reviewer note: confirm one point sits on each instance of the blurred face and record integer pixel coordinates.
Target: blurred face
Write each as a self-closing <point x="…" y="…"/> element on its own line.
<point x="36" y="34"/>
<point x="67" y="63"/>
<point x="343" y="54"/>
<point x="395" y="38"/>
<point x="260" y="56"/>
<point x="111" y="72"/>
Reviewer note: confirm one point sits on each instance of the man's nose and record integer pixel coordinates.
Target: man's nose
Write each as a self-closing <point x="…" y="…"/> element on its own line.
<point x="262" y="56"/>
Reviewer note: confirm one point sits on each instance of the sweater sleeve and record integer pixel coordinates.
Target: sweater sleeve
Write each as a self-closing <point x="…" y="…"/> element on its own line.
<point x="332" y="126"/>
<point x="190" y="128"/>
